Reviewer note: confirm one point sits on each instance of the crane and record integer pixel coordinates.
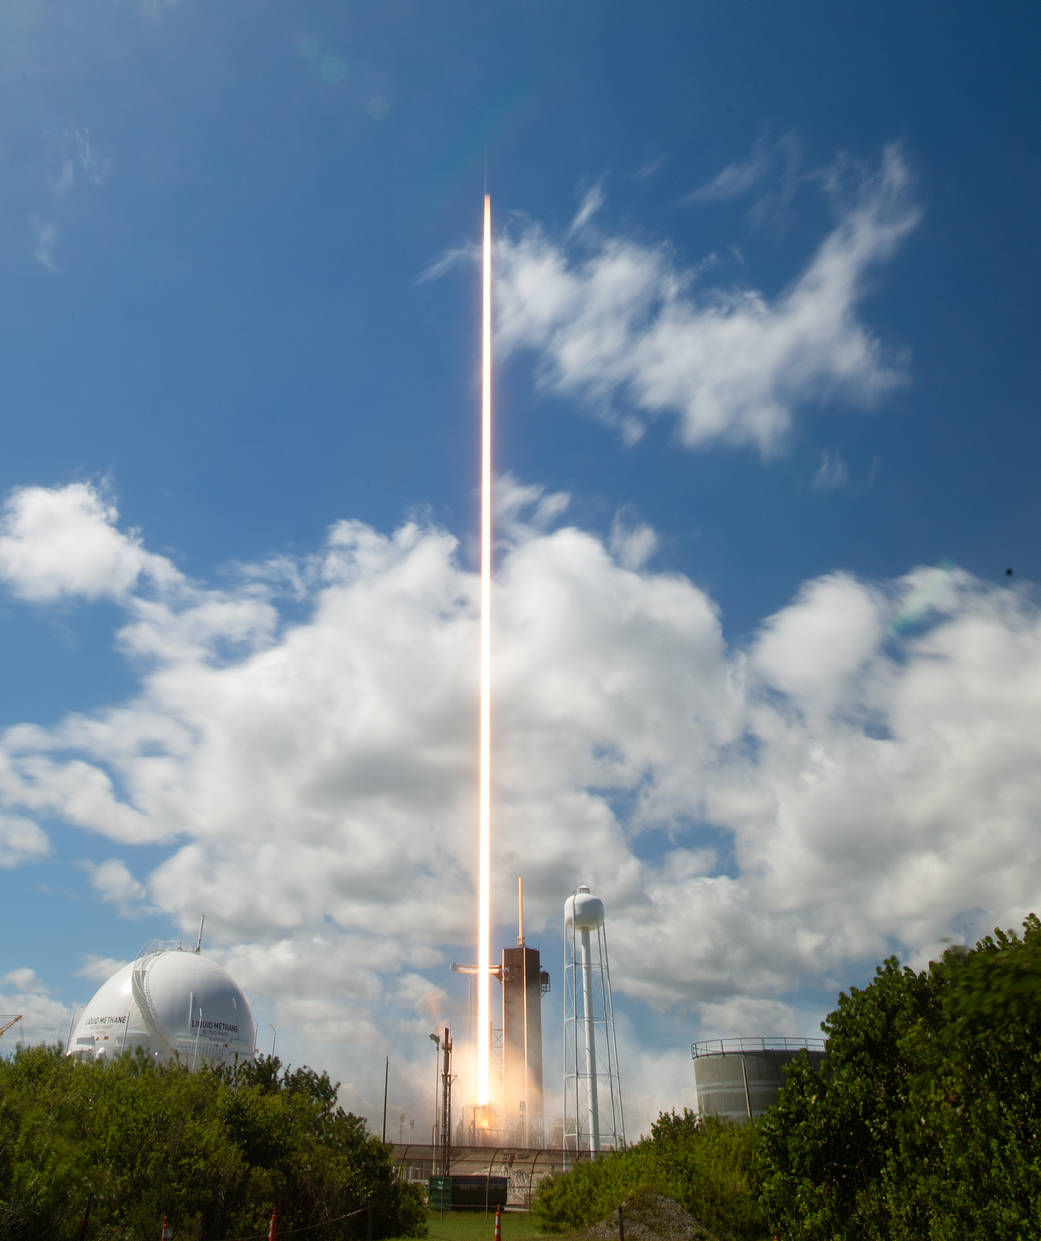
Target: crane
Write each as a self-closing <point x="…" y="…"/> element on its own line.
<point x="8" y="1024"/>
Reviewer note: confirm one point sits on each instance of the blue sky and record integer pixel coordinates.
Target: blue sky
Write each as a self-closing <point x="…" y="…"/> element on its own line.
<point x="766" y="444"/>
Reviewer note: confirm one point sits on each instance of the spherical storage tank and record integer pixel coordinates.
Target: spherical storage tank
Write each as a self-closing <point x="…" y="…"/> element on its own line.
<point x="173" y="1003"/>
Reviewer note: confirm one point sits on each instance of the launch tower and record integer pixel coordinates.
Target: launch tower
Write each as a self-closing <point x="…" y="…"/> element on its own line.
<point x="514" y="1115"/>
<point x="524" y="982"/>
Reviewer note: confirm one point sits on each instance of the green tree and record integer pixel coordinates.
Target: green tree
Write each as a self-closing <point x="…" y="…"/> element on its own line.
<point x="924" y="1122"/>
<point x="213" y="1150"/>
<point x="704" y="1163"/>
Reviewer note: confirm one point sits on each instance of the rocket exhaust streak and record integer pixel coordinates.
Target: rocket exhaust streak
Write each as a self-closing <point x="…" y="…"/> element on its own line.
<point x="484" y="863"/>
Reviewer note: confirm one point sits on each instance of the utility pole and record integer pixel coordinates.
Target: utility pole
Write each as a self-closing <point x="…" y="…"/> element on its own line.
<point x="446" y="1103"/>
<point x="386" y="1079"/>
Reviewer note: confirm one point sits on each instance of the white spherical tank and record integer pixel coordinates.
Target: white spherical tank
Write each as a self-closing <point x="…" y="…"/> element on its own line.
<point x="172" y="1003"/>
<point x="583" y="911"/>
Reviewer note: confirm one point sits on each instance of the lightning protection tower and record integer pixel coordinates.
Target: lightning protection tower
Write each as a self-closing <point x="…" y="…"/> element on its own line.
<point x="593" y="1118"/>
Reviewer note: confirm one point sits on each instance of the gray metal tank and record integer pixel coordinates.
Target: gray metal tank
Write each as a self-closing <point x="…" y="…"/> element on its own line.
<point x="738" y="1078"/>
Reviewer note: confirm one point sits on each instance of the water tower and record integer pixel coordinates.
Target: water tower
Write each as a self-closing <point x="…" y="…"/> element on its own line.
<point x="592" y="1087"/>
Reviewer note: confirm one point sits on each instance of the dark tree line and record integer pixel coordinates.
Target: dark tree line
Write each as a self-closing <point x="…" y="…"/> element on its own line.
<point x="213" y="1150"/>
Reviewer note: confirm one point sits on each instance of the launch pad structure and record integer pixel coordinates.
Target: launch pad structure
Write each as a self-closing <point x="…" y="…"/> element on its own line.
<point x="515" y="1118"/>
<point x="524" y="982"/>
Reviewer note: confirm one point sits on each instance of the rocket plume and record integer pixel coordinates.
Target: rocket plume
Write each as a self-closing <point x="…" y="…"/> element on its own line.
<point x="484" y="862"/>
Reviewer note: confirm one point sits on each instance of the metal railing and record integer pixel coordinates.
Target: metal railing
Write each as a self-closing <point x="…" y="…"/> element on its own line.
<point x="729" y="1046"/>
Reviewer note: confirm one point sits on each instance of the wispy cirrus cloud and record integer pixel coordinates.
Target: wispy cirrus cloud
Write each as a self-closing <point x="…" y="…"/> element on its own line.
<point x="771" y="176"/>
<point x="73" y="163"/>
<point x="156" y="8"/>
<point x="591" y="203"/>
<point x="635" y="336"/>
<point x="737" y="178"/>
<point x="832" y="473"/>
<point x="77" y="161"/>
<point x="45" y="239"/>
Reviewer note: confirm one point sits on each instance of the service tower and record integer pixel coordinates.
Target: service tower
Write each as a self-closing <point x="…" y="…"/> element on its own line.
<point x="513" y="1116"/>
<point x="524" y="982"/>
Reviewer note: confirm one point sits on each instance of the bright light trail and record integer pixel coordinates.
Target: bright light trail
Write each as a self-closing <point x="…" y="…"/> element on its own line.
<point x="484" y="863"/>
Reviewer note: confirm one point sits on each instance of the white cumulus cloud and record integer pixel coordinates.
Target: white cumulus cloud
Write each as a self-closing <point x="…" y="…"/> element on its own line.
<point x="65" y="541"/>
<point x="45" y="1019"/>
<point x="114" y="883"/>
<point x="21" y="840"/>
<point x="865" y="772"/>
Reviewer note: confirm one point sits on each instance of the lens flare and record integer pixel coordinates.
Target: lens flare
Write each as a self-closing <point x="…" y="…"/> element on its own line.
<point x="923" y="598"/>
<point x="484" y="862"/>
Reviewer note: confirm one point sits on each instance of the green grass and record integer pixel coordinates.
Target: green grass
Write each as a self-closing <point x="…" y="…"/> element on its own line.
<point x="476" y="1226"/>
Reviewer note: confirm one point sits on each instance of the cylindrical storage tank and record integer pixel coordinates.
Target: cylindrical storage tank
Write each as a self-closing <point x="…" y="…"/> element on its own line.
<point x="175" y="1005"/>
<point x="738" y="1079"/>
<point x="583" y="911"/>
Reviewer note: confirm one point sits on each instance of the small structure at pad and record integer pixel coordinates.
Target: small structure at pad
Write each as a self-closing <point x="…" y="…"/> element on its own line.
<point x="476" y="1193"/>
<point x="522" y="1168"/>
